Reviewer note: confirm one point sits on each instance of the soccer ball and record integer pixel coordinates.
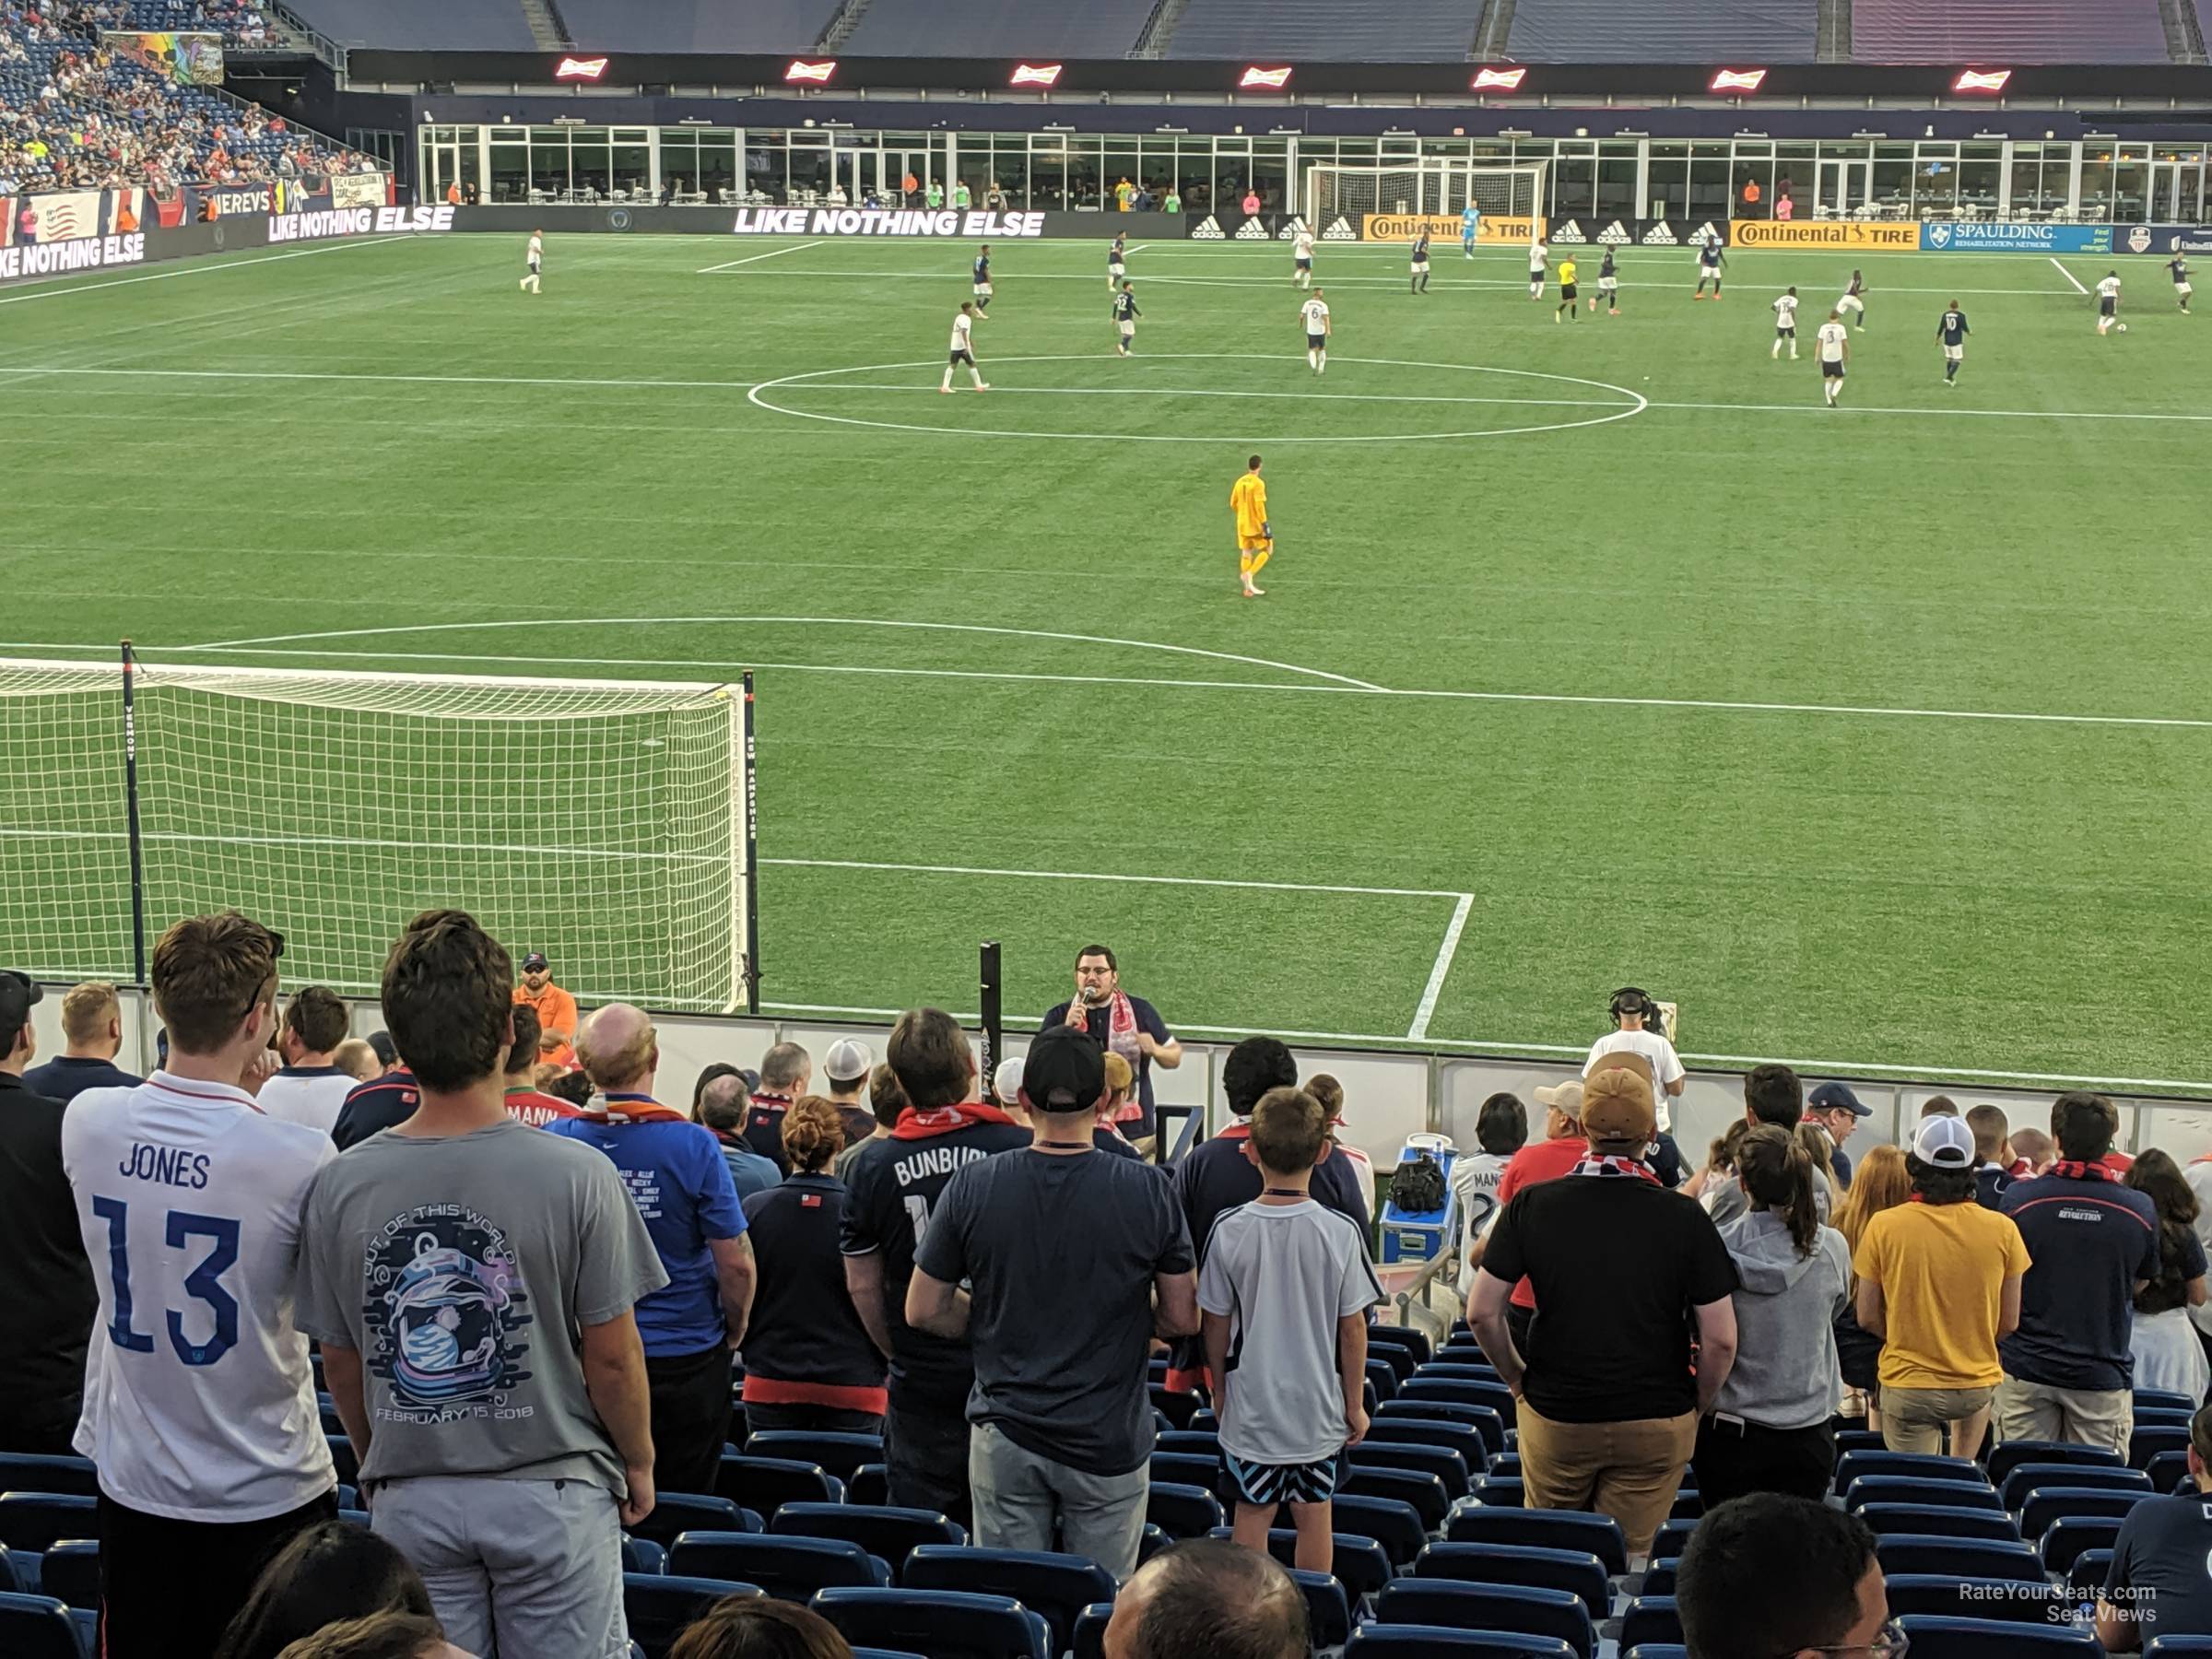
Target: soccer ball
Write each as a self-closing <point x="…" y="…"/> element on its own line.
<point x="2123" y="328"/>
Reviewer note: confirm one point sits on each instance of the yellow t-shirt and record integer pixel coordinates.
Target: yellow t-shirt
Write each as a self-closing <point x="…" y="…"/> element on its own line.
<point x="1248" y="498"/>
<point x="1567" y="273"/>
<point x="1942" y="1268"/>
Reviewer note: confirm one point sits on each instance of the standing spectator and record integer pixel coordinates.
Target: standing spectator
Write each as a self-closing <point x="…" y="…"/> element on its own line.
<point x="310" y="1088"/>
<point x="785" y="1070"/>
<point x="1839" y="1111"/>
<point x="2159" y="1582"/>
<point x="199" y="1403"/>
<point x="893" y="1192"/>
<point x="464" y="1265"/>
<point x="1993" y="1153"/>
<point x="1751" y="198"/>
<point x="1120" y="1091"/>
<point x="846" y="1066"/>
<point x="677" y="1177"/>
<point x="721" y="1102"/>
<point x="1561" y="1149"/>
<point x="556" y="1010"/>
<point x="2093" y="1241"/>
<point x="1767" y="1430"/>
<point x="91" y="1037"/>
<point x="885" y="1101"/>
<point x="1284" y="1301"/>
<point x="356" y="1059"/>
<point x="1062" y="1422"/>
<point x="1624" y="1272"/>
<point x="809" y="1362"/>
<point x="1938" y="1106"/>
<point x="1939" y="1283"/>
<point x="387" y="1054"/>
<point x="521" y="1096"/>
<point x="383" y="1102"/>
<point x="1128" y="1025"/>
<point x="1882" y="1183"/>
<point x="1637" y="1019"/>
<point x="2167" y="1353"/>
<point x="1500" y="1129"/>
<point x="2032" y="1154"/>
<point x="1772" y="1095"/>
<point x="1330" y="1094"/>
<point x="1771" y="1575"/>
<point x="1207" y="1596"/>
<point x="46" y="1317"/>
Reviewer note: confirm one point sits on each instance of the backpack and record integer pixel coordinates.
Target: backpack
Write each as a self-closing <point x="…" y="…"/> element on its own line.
<point x="1416" y="1186"/>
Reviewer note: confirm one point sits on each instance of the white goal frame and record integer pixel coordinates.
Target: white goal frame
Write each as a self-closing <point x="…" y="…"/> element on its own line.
<point x="1436" y="185"/>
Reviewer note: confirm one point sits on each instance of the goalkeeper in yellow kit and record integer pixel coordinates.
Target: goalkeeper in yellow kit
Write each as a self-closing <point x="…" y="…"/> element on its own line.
<point x="1255" y="537"/>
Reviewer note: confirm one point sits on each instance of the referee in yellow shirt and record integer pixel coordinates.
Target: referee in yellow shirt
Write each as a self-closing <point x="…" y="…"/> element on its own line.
<point x="1567" y="291"/>
<point x="1255" y="537"/>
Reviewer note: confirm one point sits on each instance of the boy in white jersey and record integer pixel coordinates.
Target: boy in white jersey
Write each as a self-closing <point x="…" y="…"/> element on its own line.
<point x="2107" y="301"/>
<point x="1302" y="259"/>
<point x="537" y="261"/>
<point x="1539" y="261"/>
<point x="199" y="1402"/>
<point x="1316" y="313"/>
<point x="1785" y="324"/>
<point x="1834" y="347"/>
<point x="964" y="349"/>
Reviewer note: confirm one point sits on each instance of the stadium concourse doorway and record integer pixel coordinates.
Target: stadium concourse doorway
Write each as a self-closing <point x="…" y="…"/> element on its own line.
<point x="884" y="172"/>
<point x="1845" y="187"/>
<point x="450" y="164"/>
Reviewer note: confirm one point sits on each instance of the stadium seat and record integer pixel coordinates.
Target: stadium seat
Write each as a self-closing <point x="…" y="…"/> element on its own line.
<point x="876" y="1653"/>
<point x="766" y="1484"/>
<point x="658" y="1605"/>
<point x="1962" y="1558"/>
<point x="1574" y="1571"/>
<point x="2168" y="1471"/>
<point x="1328" y="1608"/>
<point x="1944" y="1596"/>
<point x="1522" y="1609"/>
<point x="1672" y="1538"/>
<point x="1203" y="1422"/>
<point x="1656" y="1650"/>
<point x="1480" y="1418"/>
<point x="1994" y="1638"/>
<point x="1940" y="1520"/>
<point x="36" y="1521"/>
<point x="1649" y="1619"/>
<point x="883" y="1531"/>
<point x="71" y="1476"/>
<point x="1913" y="1489"/>
<point x="1190" y="1443"/>
<point x="1186" y="1468"/>
<point x="786" y="1567"/>
<point x="1687" y="1506"/>
<point x="70" y="1573"/>
<point x="1858" y="1439"/>
<point x="2178" y="1647"/>
<point x="871" y="1482"/>
<point x="1151" y="1542"/>
<point x="1383" y="1378"/>
<point x="2009" y="1456"/>
<point x="1462" y="1371"/>
<point x="37" y="1627"/>
<point x="2163" y="1416"/>
<point x="1424" y="1492"/>
<point x="674" y="1512"/>
<point x="2047" y="1504"/>
<point x="1182" y="1510"/>
<point x="1090" y="1630"/>
<point x="2025" y="1478"/>
<point x="1059" y="1586"/>
<point x="1400" y="1359"/>
<point x="1499" y="1492"/>
<point x="1391" y="1523"/>
<point x="1177" y="1407"/>
<point x="837" y="1453"/>
<point x="945" y="1624"/>
<point x="1446" y="1466"/>
<point x="1543" y="1529"/>
<point x="2071" y="1535"/>
<point x="1920" y="1466"/>
<point x="2146" y="1443"/>
<point x="1659" y="1578"/>
<point x="1415" y="1342"/>
<point x="2160" y="1399"/>
<point x="642" y="1555"/>
<point x="341" y="1454"/>
<point x="1419" y="1641"/>
<point x="1457" y="1391"/>
<point x="1461" y="1438"/>
<point x="1359" y="1564"/>
<point x="2087" y="1574"/>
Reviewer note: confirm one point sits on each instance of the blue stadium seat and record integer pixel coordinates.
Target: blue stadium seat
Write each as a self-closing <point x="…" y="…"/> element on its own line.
<point x="1151" y="1542"/>
<point x="2009" y="1456"/>
<point x="1191" y="1442"/>
<point x="1672" y="1539"/>
<point x="341" y="1454"/>
<point x="2071" y="1535"/>
<point x="1962" y="1558"/>
<point x="766" y="1484"/>
<point x="1543" y="1529"/>
<point x="1940" y="1520"/>
<point x="1919" y="1465"/>
<point x="1460" y="1605"/>
<point x="642" y="1555"/>
<point x="1944" y="1596"/>
<point x="1446" y="1466"/>
<point x="1575" y="1571"/>
<point x="674" y="1512"/>
<point x="1657" y="1650"/>
<point x="1414" y="1342"/>
<point x="1687" y="1506"/>
<point x="1181" y="1510"/>
<point x="36" y="1521"/>
<point x="85" y="1622"/>
<point x="1995" y="1638"/>
<point x="1506" y="1463"/>
<point x="2025" y="1477"/>
<point x="37" y="1627"/>
<point x="2148" y="1441"/>
<point x="945" y="1624"/>
<point x="1090" y="1630"/>
<point x="1912" y="1489"/>
<point x="1462" y="1438"/>
<point x="1203" y="1422"/>
<point x="11" y="1582"/>
<point x="70" y="1573"/>
<point x="1460" y="1391"/>
<point x="2168" y="1471"/>
<point x="2164" y="1416"/>
<point x="1382" y="1378"/>
<point x="1186" y="1468"/>
<point x="658" y="1605"/>
<point x="1359" y="1564"/>
<point x="837" y="1452"/>
<point x="1420" y="1642"/>
<point x="1649" y="1619"/>
<point x="2085" y="1577"/>
<point x="1424" y="1492"/>
<point x="876" y="1652"/>
<point x="2163" y="1399"/>
<point x="1400" y="1359"/>
<point x="355" y="1517"/>
<point x="882" y="1531"/>
<point x="75" y="1476"/>
<point x="1059" y="1586"/>
<point x="1463" y="1370"/>
<point x="788" y="1568"/>
<point x="870" y="1483"/>
<point x="1659" y="1578"/>
<point x="2047" y="1504"/>
<point x="1328" y="1608"/>
<point x="1177" y="1407"/>
<point x="1480" y="1418"/>
<point x="1501" y="1491"/>
<point x="1394" y="1526"/>
<point x="2178" y="1647"/>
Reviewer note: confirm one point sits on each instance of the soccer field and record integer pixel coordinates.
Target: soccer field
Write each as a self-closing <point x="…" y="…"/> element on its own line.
<point x="1591" y="654"/>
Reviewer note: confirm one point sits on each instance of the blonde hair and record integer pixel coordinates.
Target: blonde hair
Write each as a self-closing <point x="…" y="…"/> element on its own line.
<point x="86" y="1010"/>
<point x="812" y="1132"/>
<point x="1120" y="1077"/>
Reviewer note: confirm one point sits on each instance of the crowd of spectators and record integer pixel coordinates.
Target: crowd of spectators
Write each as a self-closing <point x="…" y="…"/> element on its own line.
<point x="543" y="1299"/>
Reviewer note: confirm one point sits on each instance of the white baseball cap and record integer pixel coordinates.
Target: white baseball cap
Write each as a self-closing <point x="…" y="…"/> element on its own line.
<point x="1005" y="1082"/>
<point x="847" y="1060"/>
<point x="1945" y="1142"/>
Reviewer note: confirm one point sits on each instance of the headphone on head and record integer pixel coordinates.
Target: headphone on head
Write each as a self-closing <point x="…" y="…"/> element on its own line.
<point x="1630" y="999"/>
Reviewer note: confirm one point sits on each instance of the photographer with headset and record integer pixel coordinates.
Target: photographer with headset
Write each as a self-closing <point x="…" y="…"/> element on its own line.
<point x="1638" y="1029"/>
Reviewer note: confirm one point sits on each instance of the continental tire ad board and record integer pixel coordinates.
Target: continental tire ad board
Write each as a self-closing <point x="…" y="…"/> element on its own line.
<point x="1852" y="235"/>
<point x="856" y="223"/>
<point x="1975" y="236"/>
<point x="2164" y="240"/>
<point x="1498" y="229"/>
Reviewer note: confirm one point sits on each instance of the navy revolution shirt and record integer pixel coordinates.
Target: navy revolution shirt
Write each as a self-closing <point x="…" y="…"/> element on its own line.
<point x="381" y="1103"/>
<point x="1099" y="1022"/>
<point x="2090" y="1242"/>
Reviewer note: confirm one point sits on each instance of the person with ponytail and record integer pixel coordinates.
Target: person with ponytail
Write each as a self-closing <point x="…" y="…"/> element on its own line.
<point x="2167" y="1353"/>
<point x="1768" y="1429"/>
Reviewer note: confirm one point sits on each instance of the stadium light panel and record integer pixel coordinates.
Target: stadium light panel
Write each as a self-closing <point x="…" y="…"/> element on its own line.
<point x="803" y="73"/>
<point x="1737" y="80"/>
<point x="576" y="68"/>
<point x="1981" y="80"/>
<point x="1036" y="75"/>
<point x="1256" y="79"/>
<point x="1500" y="80"/>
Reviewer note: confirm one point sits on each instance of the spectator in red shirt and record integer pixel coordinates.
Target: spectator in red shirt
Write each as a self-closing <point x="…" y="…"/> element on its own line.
<point x="523" y="1102"/>
<point x="1562" y="1148"/>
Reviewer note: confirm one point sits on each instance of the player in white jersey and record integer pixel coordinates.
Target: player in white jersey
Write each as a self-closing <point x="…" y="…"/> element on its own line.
<point x="1302" y="258"/>
<point x="537" y="261"/>
<point x="1539" y="262"/>
<point x="1318" y="328"/>
<point x="1785" y="324"/>
<point x="1833" y="346"/>
<point x="2108" y="303"/>
<point x="199" y="1402"/>
<point x="964" y="349"/>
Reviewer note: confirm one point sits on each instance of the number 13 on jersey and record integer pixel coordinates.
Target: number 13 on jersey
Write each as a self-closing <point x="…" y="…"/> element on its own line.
<point x="201" y="1283"/>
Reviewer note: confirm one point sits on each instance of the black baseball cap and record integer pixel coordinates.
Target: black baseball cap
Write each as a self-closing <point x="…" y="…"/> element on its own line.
<point x="386" y="1049"/>
<point x="1837" y="1096"/>
<point x="19" y="992"/>
<point x="533" y="961"/>
<point x="1064" y="1071"/>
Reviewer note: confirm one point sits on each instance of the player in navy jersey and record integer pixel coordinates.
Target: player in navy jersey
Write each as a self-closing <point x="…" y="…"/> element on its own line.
<point x="1117" y="261"/>
<point x="1853" y="303"/>
<point x="982" y="279"/>
<point x="1124" y="316"/>
<point x="1608" y="285"/>
<point x="1420" y="264"/>
<point x="2179" y="267"/>
<point x="1952" y="331"/>
<point x="1709" y="259"/>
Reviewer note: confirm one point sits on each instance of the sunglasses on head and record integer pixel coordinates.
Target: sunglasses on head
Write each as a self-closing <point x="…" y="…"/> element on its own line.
<point x="276" y="955"/>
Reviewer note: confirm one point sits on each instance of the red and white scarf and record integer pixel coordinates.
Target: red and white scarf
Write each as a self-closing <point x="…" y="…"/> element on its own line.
<point x="945" y="1120"/>
<point x="1606" y="1164"/>
<point x="1121" y="1038"/>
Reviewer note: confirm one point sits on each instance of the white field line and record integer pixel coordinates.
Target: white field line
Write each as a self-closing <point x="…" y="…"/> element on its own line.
<point x="1386" y="397"/>
<point x="1199" y="881"/>
<point x="1442" y="969"/>
<point x="755" y="258"/>
<point x="2069" y="276"/>
<point x="28" y="372"/>
<point x="199" y="269"/>
<point x="1986" y="414"/>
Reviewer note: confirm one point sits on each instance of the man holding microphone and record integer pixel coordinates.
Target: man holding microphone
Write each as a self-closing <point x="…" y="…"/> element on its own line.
<point x="1128" y="1025"/>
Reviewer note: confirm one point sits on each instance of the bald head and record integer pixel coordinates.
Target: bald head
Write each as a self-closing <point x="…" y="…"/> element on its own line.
<point x="1209" y="1597"/>
<point x="619" y="1049"/>
<point x="723" y="1102"/>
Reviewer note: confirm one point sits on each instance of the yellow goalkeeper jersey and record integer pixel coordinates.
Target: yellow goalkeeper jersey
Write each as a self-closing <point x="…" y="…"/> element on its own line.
<point x="1247" y="500"/>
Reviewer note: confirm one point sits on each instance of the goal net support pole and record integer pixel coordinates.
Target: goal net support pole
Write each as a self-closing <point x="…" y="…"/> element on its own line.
<point x="1436" y="185"/>
<point x="607" y="823"/>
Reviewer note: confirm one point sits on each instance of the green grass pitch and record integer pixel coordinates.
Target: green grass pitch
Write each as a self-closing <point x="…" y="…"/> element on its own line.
<point x="1877" y="736"/>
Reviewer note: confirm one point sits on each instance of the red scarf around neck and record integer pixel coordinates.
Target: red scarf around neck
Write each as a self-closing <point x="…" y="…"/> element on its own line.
<point x="1606" y="1164"/>
<point x="946" y="1120"/>
<point x="2082" y="1172"/>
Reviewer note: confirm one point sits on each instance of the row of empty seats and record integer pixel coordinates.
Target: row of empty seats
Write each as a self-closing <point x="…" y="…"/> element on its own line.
<point x="427" y="25"/>
<point x="1099" y="29"/>
<point x="1412" y="31"/>
<point x="2005" y="31"/>
<point x="1633" y="31"/>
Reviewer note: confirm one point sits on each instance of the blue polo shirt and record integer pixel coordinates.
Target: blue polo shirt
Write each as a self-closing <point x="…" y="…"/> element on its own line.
<point x="674" y="1171"/>
<point x="2162" y="1570"/>
<point x="2090" y="1241"/>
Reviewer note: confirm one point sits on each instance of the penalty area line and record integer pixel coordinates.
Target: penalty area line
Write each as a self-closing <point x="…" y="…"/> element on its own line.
<point x="2069" y="276"/>
<point x="1442" y="969"/>
<point x="755" y="258"/>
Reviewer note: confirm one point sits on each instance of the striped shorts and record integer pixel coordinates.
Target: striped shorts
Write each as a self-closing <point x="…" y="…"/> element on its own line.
<point x="1270" y="1484"/>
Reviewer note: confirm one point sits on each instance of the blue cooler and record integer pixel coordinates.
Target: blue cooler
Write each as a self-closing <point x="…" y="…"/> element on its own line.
<point x="1422" y="1236"/>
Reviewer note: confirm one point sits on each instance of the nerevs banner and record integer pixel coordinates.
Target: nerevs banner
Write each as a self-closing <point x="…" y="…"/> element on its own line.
<point x="1970" y="236"/>
<point x="1604" y="230"/>
<point x="1497" y="228"/>
<point x="2162" y="239"/>
<point x="1824" y="233"/>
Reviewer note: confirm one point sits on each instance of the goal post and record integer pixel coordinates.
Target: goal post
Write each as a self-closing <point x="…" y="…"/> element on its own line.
<point x="1440" y="185"/>
<point x="607" y="823"/>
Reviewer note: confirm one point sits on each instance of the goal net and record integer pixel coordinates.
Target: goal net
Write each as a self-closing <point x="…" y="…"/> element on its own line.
<point x="606" y="823"/>
<point x="1435" y="185"/>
